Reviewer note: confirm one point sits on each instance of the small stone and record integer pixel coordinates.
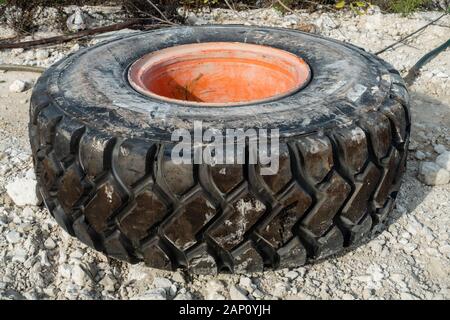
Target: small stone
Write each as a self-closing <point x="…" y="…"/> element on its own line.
<point x="397" y="277"/>
<point x="152" y="294"/>
<point x="368" y="293"/>
<point x="432" y="174"/>
<point x="445" y="249"/>
<point x="28" y="213"/>
<point x="409" y="247"/>
<point x="44" y="259"/>
<point x="77" y="254"/>
<point x="291" y="275"/>
<point x="237" y="293"/>
<point x="178" y="277"/>
<point x="30" y="174"/>
<point x="412" y="145"/>
<point x="258" y="294"/>
<point x="164" y="283"/>
<point x="23" y="191"/>
<point x="18" y="86"/>
<point x="77" y="21"/>
<point x="172" y="290"/>
<point x="407" y="296"/>
<point x="75" y="47"/>
<point x="49" y="244"/>
<point x="443" y="160"/>
<point x="71" y="291"/>
<point x="377" y="275"/>
<point x="439" y="148"/>
<point x="281" y="289"/>
<point x="138" y="272"/>
<point x="420" y="155"/>
<point x="13" y="237"/>
<point x="245" y="282"/>
<point x="65" y="271"/>
<point x="108" y="282"/>
<point x="79" y="276"/>
<point x="405" y="236"/>
<point x="348" y="296"/>
<point x="17" y="220"/>
<point x="3" y="220"/>
<point x="19" y="255"/>
<point x="401" y="241"/>
<point x="373" y="9"/>
<point x="42" y="54"/>
<point x="13" y="295"/>
<point x="214" y="289"/>
<point x="400" y="209"/>
<point x="363" y="278"/>
<point x="17" y="51"/>
<point x="49" y="291"/>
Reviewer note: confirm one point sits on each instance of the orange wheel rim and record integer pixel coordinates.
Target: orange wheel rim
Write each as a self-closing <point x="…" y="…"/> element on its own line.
<point x="219" y="74"/>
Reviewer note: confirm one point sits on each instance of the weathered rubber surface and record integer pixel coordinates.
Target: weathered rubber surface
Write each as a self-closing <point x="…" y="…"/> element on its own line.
<point x="102" y="158"/>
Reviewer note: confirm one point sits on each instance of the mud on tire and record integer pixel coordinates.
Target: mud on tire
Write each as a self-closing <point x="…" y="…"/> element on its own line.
<point x="102" y="157"/>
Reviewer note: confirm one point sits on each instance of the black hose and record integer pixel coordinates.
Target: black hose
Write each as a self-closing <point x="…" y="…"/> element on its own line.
<point x="415" y="70"/>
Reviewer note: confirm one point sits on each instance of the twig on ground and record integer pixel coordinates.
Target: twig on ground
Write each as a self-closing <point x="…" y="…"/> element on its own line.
<point x="81" y="34"/>
<point x="3" y="40"/>
<point x="281" y="3"/>
<point x="160" y="12"/>
<point x="164" y="18"/>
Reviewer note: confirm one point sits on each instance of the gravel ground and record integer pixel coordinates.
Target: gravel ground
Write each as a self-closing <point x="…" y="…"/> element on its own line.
<point x="409" y="259"/>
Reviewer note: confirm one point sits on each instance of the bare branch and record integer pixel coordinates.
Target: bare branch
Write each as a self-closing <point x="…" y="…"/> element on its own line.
<point x="81" y="34"/>
<point x="237" y="13"/>
<point x="160" y="12"/>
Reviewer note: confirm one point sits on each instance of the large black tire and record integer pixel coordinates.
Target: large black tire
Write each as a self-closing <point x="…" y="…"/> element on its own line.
<point x="101" y="152"/>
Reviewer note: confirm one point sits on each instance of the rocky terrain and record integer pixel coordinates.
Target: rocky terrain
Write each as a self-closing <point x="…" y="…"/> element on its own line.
<point x="409" y="259"/>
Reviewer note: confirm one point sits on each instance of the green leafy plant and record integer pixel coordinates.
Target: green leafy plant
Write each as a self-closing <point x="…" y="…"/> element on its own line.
<point x="407" y="6"/>
<point x="358" y="7"/>
<point x="285" y="4"/>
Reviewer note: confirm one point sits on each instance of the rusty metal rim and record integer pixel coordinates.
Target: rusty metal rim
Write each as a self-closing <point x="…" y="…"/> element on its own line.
<point x="140" y="67"/>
